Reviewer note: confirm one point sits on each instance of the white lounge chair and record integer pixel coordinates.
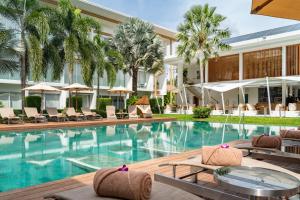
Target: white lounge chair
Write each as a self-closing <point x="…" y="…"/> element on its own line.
<point x="33" y="115"/>
<point x="218" y="110"/>
<point x="240" y="110"/>
<point x="7" y="114"/>
<point x="145" y="111"/>
<point x="292" y="110"/>
<point x="73" y="115"/>
<point x="111" y="112"/>
<point x="251" y="110"/>
<point x="279" y="111"/>
<point x="132" y="111"/>
<point x="88" y="113"/>
<point x="55" y="115"/>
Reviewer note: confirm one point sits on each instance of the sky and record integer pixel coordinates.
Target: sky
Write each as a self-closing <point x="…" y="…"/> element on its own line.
<point x="169" y="13"/>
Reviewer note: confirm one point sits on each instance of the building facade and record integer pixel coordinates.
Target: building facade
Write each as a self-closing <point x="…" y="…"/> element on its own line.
<point x="273" y="53"/>
<point x="10" y="94"/>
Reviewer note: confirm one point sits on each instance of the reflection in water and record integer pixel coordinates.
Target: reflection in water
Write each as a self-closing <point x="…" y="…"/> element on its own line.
<point x="35" y="157"/>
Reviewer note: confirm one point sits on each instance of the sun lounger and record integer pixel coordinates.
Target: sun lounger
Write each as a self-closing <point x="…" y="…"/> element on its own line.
<point x="206" y="190"/>
<point x="145" y="110"/>
<point x="132" y="111"/>
<point x="218" y="110"/>
<point x="7" y="114"/>
<point x="160" y="191"/>
<point x="88" y="113"/>
<point x="240" y="110"/>
<point x="111" y="112"/>
<point x="33" y="115"/>
<point x="73" y="115"/>
<point x="251" y="110"/>
<point x="272" y="153"/>
<point x="55" y="115"/>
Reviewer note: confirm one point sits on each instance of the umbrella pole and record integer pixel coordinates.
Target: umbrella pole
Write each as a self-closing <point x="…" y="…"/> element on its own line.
<point x="76" y="102"/>
<point x="42" y="102"/>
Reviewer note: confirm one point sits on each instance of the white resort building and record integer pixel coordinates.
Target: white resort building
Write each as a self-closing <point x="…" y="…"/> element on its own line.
<point x="242" y="75"/>
<point x="10" y="94"/>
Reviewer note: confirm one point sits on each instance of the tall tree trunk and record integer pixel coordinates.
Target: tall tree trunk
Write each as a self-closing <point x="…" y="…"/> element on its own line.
<point x="98" y="85"/>
<point x="202" y="82"/>
<point x="70" y="93"/>
<point x="134" y="81"/>
<point x="23" y="70"/>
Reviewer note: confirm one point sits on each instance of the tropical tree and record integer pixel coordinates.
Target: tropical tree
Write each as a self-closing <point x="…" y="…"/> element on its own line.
<point x="72" y="33"/>
<point x="106" y="60"/>
<point x="30" y="23"/>
<point x="8" y="54"/>
<point x="201" y="36"/>
<point x="140" y="48"/>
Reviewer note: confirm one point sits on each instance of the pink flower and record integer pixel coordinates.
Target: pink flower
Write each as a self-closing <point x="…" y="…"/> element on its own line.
<point x="225" y="146"/>
<point x="124" y="168"/>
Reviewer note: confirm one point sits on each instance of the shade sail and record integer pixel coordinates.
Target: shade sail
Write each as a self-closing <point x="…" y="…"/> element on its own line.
<point x="41" y="87"/>
<point x="224" y="87"/>
<point x="291" y="78"/>
<point x="289" y="9"/>
<point x="76" y="86"/>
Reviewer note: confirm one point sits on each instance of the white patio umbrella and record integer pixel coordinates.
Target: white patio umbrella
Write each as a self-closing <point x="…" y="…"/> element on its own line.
<point x="76" y="87"/>
<point x="120" y="90"/>
<point x="41" y="88"/>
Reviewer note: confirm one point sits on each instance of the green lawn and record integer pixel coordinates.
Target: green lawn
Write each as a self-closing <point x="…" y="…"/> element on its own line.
<point x="247" y="120"/>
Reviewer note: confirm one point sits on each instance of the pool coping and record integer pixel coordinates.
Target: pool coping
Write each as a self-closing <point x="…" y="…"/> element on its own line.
<point x="74" y="124"/>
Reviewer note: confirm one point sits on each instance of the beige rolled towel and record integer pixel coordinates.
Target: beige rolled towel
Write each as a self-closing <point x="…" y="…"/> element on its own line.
<point x="218" y="156"/>
<point x="265" y="141"/>
<point x="133" y="185"/>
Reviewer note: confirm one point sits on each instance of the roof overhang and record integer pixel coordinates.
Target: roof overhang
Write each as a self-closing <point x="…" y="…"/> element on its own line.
<point x="288" y="9"/>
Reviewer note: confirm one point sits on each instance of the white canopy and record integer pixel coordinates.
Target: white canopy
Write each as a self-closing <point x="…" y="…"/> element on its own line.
<point x="76" y="86"/>
<point x="224" y="87"/>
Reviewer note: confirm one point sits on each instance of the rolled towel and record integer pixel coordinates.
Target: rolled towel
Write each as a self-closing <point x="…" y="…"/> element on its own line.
<point x="292" y="134"/>
<point x="221" y="156"/>
<point x="116" y="183"/>
<point x="265" y="141"/>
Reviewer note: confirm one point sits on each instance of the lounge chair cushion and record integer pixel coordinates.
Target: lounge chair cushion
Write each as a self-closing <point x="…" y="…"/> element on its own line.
<point x="216" y="155"/>
<point x="267" y="141"/>
<point x="159" y="192"/>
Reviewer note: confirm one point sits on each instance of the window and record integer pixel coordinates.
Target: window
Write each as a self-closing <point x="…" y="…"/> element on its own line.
<point x="11" y="99"/>
<point x="275" y="94"/>
<point x="198" y="74"/>
<point x="52" y="100"/>
<point x="259" y="64"/>
<point x="223" y="68"/>
<point x="292" y="60"/>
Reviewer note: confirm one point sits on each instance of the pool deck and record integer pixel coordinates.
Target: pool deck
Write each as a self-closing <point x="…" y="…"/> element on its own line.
<point x="150" y="166"/>
<point x="98" y="122"/>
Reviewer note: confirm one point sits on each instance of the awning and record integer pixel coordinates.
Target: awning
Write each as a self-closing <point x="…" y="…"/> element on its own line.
<point x="223" y="87"/>
<point x="289" y="9"/>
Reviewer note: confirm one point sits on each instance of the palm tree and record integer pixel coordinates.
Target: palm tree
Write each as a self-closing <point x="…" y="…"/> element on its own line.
<point x="73" y="34"/>
<point x="8" y="54"/>
<point x="106" y="59"/>
<point x="140" y="48"/>
<point x="201" y="37"/>
<point x="31" y="26"/>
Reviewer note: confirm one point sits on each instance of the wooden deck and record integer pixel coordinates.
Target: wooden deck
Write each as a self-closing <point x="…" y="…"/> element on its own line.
<point x="52" y="125"/>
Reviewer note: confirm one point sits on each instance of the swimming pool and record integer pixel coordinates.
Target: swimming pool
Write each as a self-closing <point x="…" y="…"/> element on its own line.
<point x="34" y="157"/>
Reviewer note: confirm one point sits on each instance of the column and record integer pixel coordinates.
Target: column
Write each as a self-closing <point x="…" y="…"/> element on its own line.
<point x="241" y="75"/>
<point x="283" y="74"/>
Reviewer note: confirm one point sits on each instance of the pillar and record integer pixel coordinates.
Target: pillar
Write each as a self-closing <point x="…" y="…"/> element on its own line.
<point x="283" y="74"/>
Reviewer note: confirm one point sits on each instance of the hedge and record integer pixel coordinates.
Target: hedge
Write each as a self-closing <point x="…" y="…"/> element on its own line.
<point x="79" y="102"/>
<point x="132" y="100"/>
<point x="201" y="112"/>
<point x="33" y="101"/>
<point x="101" y="105"/>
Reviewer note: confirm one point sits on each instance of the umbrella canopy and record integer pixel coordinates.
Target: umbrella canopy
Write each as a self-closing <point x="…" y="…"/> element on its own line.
<point x="41" y="87"/>
<point x="120" y="90"/>
<point x="289" y="9"/>
<point x="144" y="100"/>
<point x="76" y="87"/>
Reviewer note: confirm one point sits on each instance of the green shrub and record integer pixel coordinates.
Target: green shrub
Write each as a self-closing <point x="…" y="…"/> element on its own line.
<point x="34" y="101"/>
<point x="154" y="106"/>
<point x="201" y="112"/>
<point x="101" y="105"/>
<point x="132" y="100"/>
<point x="79" y="102"/>
<point x="167" y="99"/>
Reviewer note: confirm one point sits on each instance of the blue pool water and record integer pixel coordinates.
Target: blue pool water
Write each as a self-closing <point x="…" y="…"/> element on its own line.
<point x="34" y="157"/>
